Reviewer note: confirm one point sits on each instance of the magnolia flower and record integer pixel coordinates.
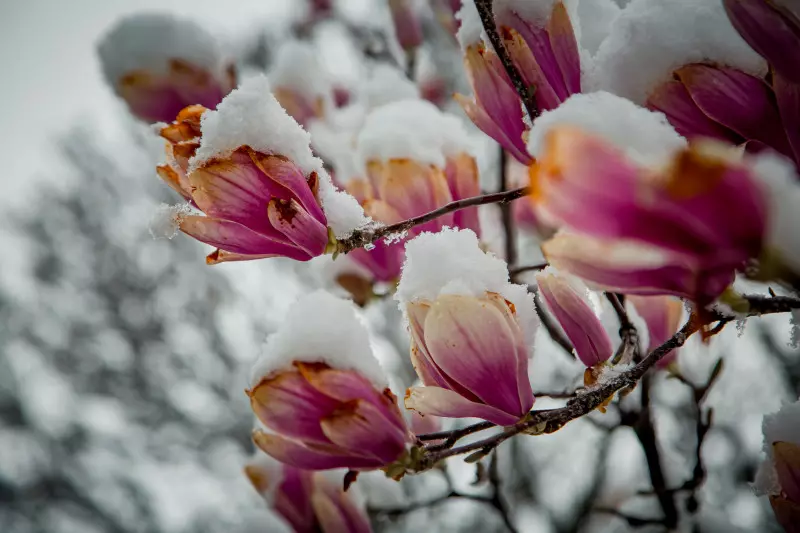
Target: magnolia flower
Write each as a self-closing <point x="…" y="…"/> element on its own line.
<point x="680" y="230"/>
<point x="544" y="49"/>
<point x="248" y="168"/>
<point x="567" y="299"/>
<point x="772" y="28"/>
<point x="289" y="76"/>
<point x="159" y="65"/>
<point x="469" y="345"/>
<point x="495" y="107"/>
<point x="321" y="394"/>
<point x="779" y="475"/>
<point x="407" y="25"/>
<point x="308" y="501"/>
<point x="662" y="315"/>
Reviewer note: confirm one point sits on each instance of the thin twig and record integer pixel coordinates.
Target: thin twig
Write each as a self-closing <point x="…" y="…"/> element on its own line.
<point x="490" y="27"/>
<point x="629" y="346"/>
<point x="515" y="271"/>
<point x="510" y="236"/>
<point x="497" y="500"/>
<point x="361" y="238"/>
<point x="633" y="521"/>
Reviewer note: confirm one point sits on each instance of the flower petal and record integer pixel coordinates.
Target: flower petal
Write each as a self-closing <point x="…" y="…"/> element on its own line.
<point x="358" y="425"/>
<point x="295" y="454"/>
<point x="769" y="31"/>
<point x="787" y="93"/>
<point x="565" y="48"/>
<point x="289" y="405"/>
<point x="461" y="172"/>
<point x="234" y="237"/>
<point x="738" y="101"/>
<point x="437" y="401"/>
<point x="514" y="145"/>
<point x="282" y="171"/>
<point x="474" y="344"/>
<point x="787" y="466"/>
<point x="662" y="315"/>
<point x="303" y="230"/>
<point x="672" y="99"/>
<point x="335" y="510"/>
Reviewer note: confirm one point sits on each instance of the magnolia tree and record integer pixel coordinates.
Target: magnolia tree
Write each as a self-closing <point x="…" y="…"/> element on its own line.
<point x="646" y="192"/>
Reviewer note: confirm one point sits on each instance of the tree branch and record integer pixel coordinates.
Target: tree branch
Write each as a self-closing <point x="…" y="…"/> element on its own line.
<point x="490" y="27"/>
<point x="507" y="219"/>
<point x="629" y="346"/>
<point x="361" y="238"/>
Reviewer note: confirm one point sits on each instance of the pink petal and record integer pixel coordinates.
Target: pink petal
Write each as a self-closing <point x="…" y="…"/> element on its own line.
<point x="292" y="500"/>
<point x="565" y="48"/>
<point x="236" y="238"/>
<point x="360" y="426"/>
<point x="662" y="315"/>
<point x="317" y="458"/>
<point x="289" y="405"/>
<point x="576" y="317"/>
<point x="462" y="178"/>
<point x="787" y="94"/>
<point x="530" y="70"/>
<point x="672" y="99"/>
<point x="739" y="101"/>
<point x="303" y="230"/>
<point x="448" y="404"/>
<point x="284" y="173"/>
<point x="335" y="509"/>
<point x="770" y="31"/>
<point x="480" y="348"/>
<point x="384" y="262"/>
<point x="513" y="145"/>
<point x="421" y="359"/>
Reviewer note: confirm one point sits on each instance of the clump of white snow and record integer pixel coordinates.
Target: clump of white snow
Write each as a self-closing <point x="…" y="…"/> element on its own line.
<point x="645" y="136"/>
<point x="783" y="426"/>
<point x="452" y="262"/>
<point x="596" y="18"/>
<point x="148" y="41"/>
<point x="413" y="129"/>
<point x="297" y="66"/>
<point x="166" y="220"/>
<point x="388" y="84"/>
<point x="652" y="38"/>
<point x="320" y="328"/>
<point x="779" y="176"/>
<point x="471" y="29"/>
<point x="250" y="115"/>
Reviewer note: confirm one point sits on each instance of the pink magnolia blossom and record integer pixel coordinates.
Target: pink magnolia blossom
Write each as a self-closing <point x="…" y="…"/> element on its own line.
<point x="472" y="358"/>
<point x="308" y="501"/>
<point x="545" y="53"/>
<point x="567" y="300"/>
<point x="256" y="205"/>
<point x="681" y="230"/>
<point x="300" y="107"/>
<point x="495" y="108"/>
<point x="159" y="65"/>
<point x="322" y="418"/>
<point x="772" y="28"/>
<point x="662" y="315"/>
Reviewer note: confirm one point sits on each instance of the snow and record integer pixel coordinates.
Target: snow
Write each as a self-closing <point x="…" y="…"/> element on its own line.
<point x="413" y="129"/>
<point x="452" y="262"/>
<point x="166" y="220"/>
<point x="320" y="328"/>
<point x="779" y="176"/>
<point x="388" y="84"/>
<point x="645" y="136"/>
<point x="595" y="18"/>
<point x="652" y="38"/>
<point x="783" y="426"/>
<point x="297" y="67"/>
<point x="471" y="29"/>
<point x="147" y="41"/>
<point x="250" y="115"/>
<point x="268" y="470"/>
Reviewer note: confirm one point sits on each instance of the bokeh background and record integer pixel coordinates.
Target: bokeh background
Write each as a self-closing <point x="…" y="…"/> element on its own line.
<point x="123" y="358"/>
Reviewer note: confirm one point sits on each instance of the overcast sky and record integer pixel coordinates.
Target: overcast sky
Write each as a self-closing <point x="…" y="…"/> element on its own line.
<point x="51" y="76"/>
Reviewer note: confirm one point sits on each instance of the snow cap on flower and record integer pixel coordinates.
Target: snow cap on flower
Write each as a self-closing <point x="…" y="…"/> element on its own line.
<point x="652" y="38"/>
<point x="644" y="136"/>
<point x="299" y="82"/>
<point x="251" y="116"/>
<point x="160" y="64"/>
<point x="320" y="328"/>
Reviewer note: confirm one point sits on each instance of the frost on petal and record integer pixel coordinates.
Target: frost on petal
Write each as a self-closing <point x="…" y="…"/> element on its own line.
<point x="166" y="220"/>
<point x="652" y="38"/>
<point x="320" y="328"/>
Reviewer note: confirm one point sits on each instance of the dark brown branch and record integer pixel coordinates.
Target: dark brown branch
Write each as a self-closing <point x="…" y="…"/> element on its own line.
<point x="510" y="235"/>
<point x="398" y="511"/>
<point x="361" y="238"/>
<point x="497" y="500"/>
<point x="490" y="27"/>
<point x="645" y="432"/>
<point x="632" y="521"/>
<point x="629" y="346"/>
